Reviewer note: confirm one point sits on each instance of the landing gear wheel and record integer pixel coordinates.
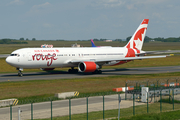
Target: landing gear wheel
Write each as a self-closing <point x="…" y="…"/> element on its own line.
<point x="20" y="74"/>
<point x="97" y="72"/>
<point x="73" y="71"/>
<point x="76" y="70"/>
<point x="70" y="71"/>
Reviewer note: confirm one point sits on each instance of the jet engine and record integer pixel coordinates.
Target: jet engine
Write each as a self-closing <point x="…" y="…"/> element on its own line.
<point x="87" y="66"/>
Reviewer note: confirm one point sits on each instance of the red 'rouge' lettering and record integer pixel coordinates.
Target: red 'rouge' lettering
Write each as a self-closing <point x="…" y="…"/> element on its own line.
<point x="49" y="58"/>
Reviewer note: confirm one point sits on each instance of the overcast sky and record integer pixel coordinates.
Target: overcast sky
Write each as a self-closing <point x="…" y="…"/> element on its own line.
<point x="87" y="19"/>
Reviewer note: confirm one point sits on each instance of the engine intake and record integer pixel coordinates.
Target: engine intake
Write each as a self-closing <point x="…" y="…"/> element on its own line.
<point x="87" y="66"/>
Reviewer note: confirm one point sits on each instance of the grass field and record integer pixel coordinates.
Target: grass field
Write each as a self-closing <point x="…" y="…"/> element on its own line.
<point x="47" y="88"/>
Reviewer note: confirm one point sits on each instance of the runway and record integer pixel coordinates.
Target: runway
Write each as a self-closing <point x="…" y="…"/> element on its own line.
<point x="105" y="72"/>
<point x="4" y="55"/>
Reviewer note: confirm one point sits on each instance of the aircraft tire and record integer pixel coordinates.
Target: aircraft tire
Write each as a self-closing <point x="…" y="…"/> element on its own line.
<point x="75" y="70"/>
<point x="71" y="71"/>
<point x="20" y="74"/>
<point x="97" y="72"/>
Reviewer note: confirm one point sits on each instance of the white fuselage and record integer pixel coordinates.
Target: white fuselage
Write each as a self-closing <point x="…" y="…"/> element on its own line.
<point x="61" y="57"/>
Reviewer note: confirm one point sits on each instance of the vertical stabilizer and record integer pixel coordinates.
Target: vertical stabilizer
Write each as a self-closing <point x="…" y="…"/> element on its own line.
<point x="92" y="43"/>
<point x="136" y="41"/>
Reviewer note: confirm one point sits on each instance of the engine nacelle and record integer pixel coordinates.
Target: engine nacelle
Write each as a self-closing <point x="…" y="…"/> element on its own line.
<point x="47" y="69"/>
<point x="87" y="66"/>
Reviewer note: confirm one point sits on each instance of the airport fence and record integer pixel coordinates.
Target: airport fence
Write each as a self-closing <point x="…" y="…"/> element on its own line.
<point x="161" y="97"/>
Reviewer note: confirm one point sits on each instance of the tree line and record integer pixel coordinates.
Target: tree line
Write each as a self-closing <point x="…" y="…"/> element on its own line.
<point x="148" y="39"/>
<point x="12" y="41"/>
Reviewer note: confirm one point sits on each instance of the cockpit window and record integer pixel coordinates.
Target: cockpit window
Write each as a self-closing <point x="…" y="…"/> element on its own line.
<point x="15" y="55"/>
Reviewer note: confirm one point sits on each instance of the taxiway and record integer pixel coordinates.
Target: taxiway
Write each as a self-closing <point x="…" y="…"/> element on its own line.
<point x="105" y="72"/>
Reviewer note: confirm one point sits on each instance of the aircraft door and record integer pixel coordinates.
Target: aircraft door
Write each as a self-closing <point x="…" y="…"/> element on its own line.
<point x="80" y="55"/>
<point x="29" y="56"/>
<point x="18" y="57"/>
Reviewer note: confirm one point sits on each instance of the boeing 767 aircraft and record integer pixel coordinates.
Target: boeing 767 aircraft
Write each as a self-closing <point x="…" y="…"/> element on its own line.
<point x="87" y="59"/>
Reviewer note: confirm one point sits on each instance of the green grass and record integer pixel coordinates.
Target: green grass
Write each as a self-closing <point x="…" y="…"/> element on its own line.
<point x="43" y="89"/>
<point x="167" y="101"/>
<point x="44" y="98"/>
<point x="172" y="115"/>
<point x="8" y="48"/>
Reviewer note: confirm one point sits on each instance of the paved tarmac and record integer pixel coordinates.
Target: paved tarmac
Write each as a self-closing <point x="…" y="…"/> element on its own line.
<point x="105" y="72"/>
<point x="4" y="55"/>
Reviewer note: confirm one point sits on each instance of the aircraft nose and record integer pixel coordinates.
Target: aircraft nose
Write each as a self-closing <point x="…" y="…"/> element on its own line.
<point x="9" y="60"/>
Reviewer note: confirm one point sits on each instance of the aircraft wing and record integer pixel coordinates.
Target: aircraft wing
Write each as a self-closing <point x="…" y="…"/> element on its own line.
<point x="120" y="59"/>
<point x="164" y="51"/>
<point x="145" y="53"/>
<point x="158" y="52"/>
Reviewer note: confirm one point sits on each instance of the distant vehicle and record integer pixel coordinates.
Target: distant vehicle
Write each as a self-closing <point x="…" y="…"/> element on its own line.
<point x="75" y="45"/>
<point x="46" y="46"/>
<point x="87" y="59"/>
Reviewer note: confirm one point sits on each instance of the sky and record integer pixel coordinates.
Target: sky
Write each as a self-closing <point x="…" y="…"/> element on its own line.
<point x="87" y="19"/>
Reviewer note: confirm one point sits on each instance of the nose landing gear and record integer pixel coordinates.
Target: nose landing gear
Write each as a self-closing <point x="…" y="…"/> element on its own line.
<point x="20" y="74"/>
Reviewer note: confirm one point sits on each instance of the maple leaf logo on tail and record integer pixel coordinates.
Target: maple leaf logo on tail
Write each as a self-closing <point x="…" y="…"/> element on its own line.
<point x="139" y="34"/>
<point x="137" y="39"/>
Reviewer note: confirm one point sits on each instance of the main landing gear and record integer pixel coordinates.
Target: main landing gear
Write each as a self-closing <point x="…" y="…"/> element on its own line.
<point x="20" y="74"/>
<point x="97" y="72"/>
<point x="72" y="70"/>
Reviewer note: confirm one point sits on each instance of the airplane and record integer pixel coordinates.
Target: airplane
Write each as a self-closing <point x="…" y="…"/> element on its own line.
<point x="93" y="44"/>
<point x="86" y="59"/>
